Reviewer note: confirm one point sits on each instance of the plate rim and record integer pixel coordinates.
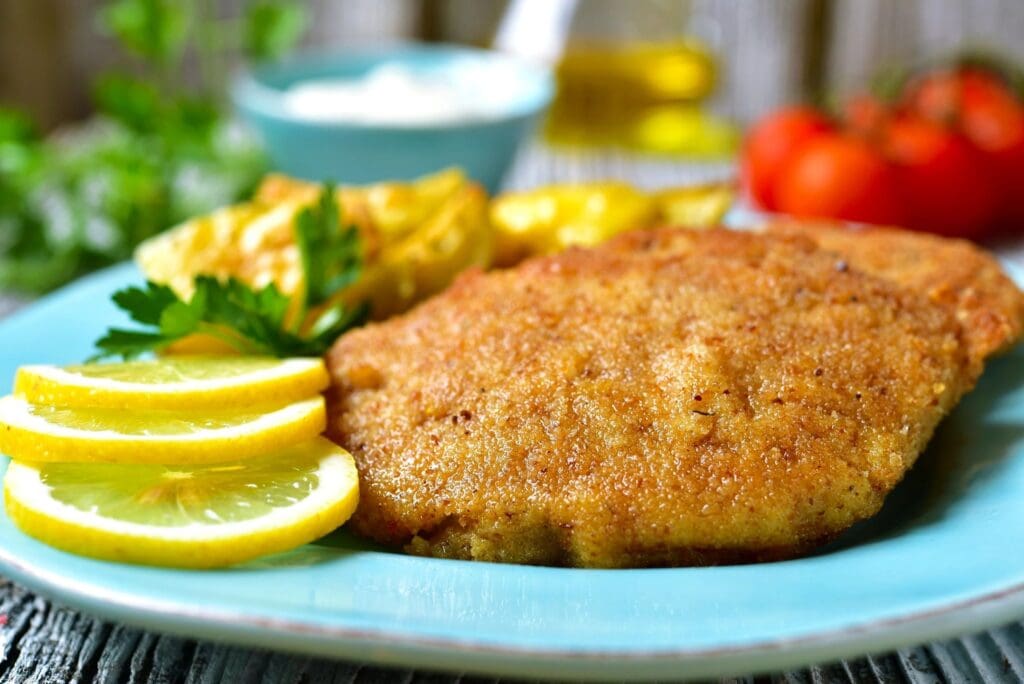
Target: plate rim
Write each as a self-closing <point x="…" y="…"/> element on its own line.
<point x="391" y="648"/>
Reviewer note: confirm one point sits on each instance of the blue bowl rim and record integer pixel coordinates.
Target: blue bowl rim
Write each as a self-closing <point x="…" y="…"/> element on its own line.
<point x="251" y="95"/>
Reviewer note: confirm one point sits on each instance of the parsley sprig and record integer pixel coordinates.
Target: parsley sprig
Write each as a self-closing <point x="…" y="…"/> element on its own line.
<point x="250" y="320"/>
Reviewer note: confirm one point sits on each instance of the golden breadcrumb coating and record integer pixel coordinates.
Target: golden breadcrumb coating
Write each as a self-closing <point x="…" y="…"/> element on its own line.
<point x="670" y="398"/>
<point x="953" y="273"/>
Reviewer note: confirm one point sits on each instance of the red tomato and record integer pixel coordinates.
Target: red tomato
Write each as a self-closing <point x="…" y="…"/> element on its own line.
<point x="935" y="96"/>
<point x="944" y="182"/>
<point x="840" y="176"/>
<point x="771" y="143"/>
<point x="941" y="95"/>
<point x="1008" y="164"/>
<point x="865" y="115"/>
<point x="993" y="119"/>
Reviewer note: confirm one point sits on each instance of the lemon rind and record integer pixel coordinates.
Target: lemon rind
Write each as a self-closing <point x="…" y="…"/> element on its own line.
<point x="27" y="437"/>
<point x="291" y="380"/>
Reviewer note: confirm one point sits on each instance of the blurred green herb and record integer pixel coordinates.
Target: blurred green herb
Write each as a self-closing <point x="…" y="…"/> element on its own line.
<point x="272" y="28"/>
<point x="156" y="153"/>
<point x="254" y="321"/>
<point x="156" y="30"/>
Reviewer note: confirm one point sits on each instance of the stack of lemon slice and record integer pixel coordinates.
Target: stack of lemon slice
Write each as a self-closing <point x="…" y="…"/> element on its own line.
<point x="188" y="461"/>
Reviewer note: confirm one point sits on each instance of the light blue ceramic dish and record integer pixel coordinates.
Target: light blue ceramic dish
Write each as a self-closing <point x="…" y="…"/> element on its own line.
<point x="943" y="558"/>
<point x="363" y="153"/>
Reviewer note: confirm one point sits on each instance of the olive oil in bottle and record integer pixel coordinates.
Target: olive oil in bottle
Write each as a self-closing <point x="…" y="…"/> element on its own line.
<point x="630" y="76"/>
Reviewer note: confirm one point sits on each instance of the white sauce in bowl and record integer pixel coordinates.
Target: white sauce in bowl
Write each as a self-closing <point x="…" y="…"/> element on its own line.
<point x="393" y="94"/>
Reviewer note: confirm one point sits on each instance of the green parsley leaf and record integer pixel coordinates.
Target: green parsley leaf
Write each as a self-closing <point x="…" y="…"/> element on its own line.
<point x="336" y="320"/>
<point x="147" y="305"/>
<point x="128" y="344"/>
<point x="331" y="255"/>
<point x="253" y="321"/>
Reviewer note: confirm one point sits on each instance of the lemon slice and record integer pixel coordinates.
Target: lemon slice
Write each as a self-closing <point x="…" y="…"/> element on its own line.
<point x="198" y="516"/>
<point x="190" y="382"/>
<point x="29" y="432"/>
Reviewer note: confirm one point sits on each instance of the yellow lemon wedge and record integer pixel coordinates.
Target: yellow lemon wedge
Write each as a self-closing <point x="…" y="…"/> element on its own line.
<point x="39" y="433"/>
<point x="196" y="516"/>
<point x="188" y="383"/>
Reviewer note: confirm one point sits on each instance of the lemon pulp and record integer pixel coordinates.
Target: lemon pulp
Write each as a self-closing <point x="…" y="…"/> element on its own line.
<point x="174" y="369"/>
<point x="200" y="516"/>
<point x="143" y="422"/>
<point x="50" y="434"/>
<point x="169" y="496"/>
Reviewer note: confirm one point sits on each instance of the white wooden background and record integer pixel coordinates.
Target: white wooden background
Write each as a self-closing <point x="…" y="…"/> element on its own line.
<point x="49" y="49"/>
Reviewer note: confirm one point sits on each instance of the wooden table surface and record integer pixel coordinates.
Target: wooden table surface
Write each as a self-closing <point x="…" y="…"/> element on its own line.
<point x="45" y="642"/>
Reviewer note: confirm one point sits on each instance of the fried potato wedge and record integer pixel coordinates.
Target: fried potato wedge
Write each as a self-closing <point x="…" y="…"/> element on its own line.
<point x="417" y="236"/>
<point x="549" y="219"/>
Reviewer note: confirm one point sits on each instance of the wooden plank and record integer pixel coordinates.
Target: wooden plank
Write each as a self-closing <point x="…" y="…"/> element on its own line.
<point x="872" y="35"/>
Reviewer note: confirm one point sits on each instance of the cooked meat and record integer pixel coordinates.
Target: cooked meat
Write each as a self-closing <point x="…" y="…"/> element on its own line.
<point x="953" y="273"/>
<point x="672" y="398"/>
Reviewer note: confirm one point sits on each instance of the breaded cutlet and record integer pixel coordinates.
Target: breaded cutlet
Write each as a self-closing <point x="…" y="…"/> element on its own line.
<point x="953" y="273"/>
<point x="670" y="398"/>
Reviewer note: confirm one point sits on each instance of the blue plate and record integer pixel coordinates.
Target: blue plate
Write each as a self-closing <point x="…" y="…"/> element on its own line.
<point x="942" y="558"/>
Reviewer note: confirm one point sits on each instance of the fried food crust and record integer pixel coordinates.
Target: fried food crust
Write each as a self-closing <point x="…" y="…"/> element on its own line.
<point x="956" y="274"/>
<point x="671" y="398"/>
